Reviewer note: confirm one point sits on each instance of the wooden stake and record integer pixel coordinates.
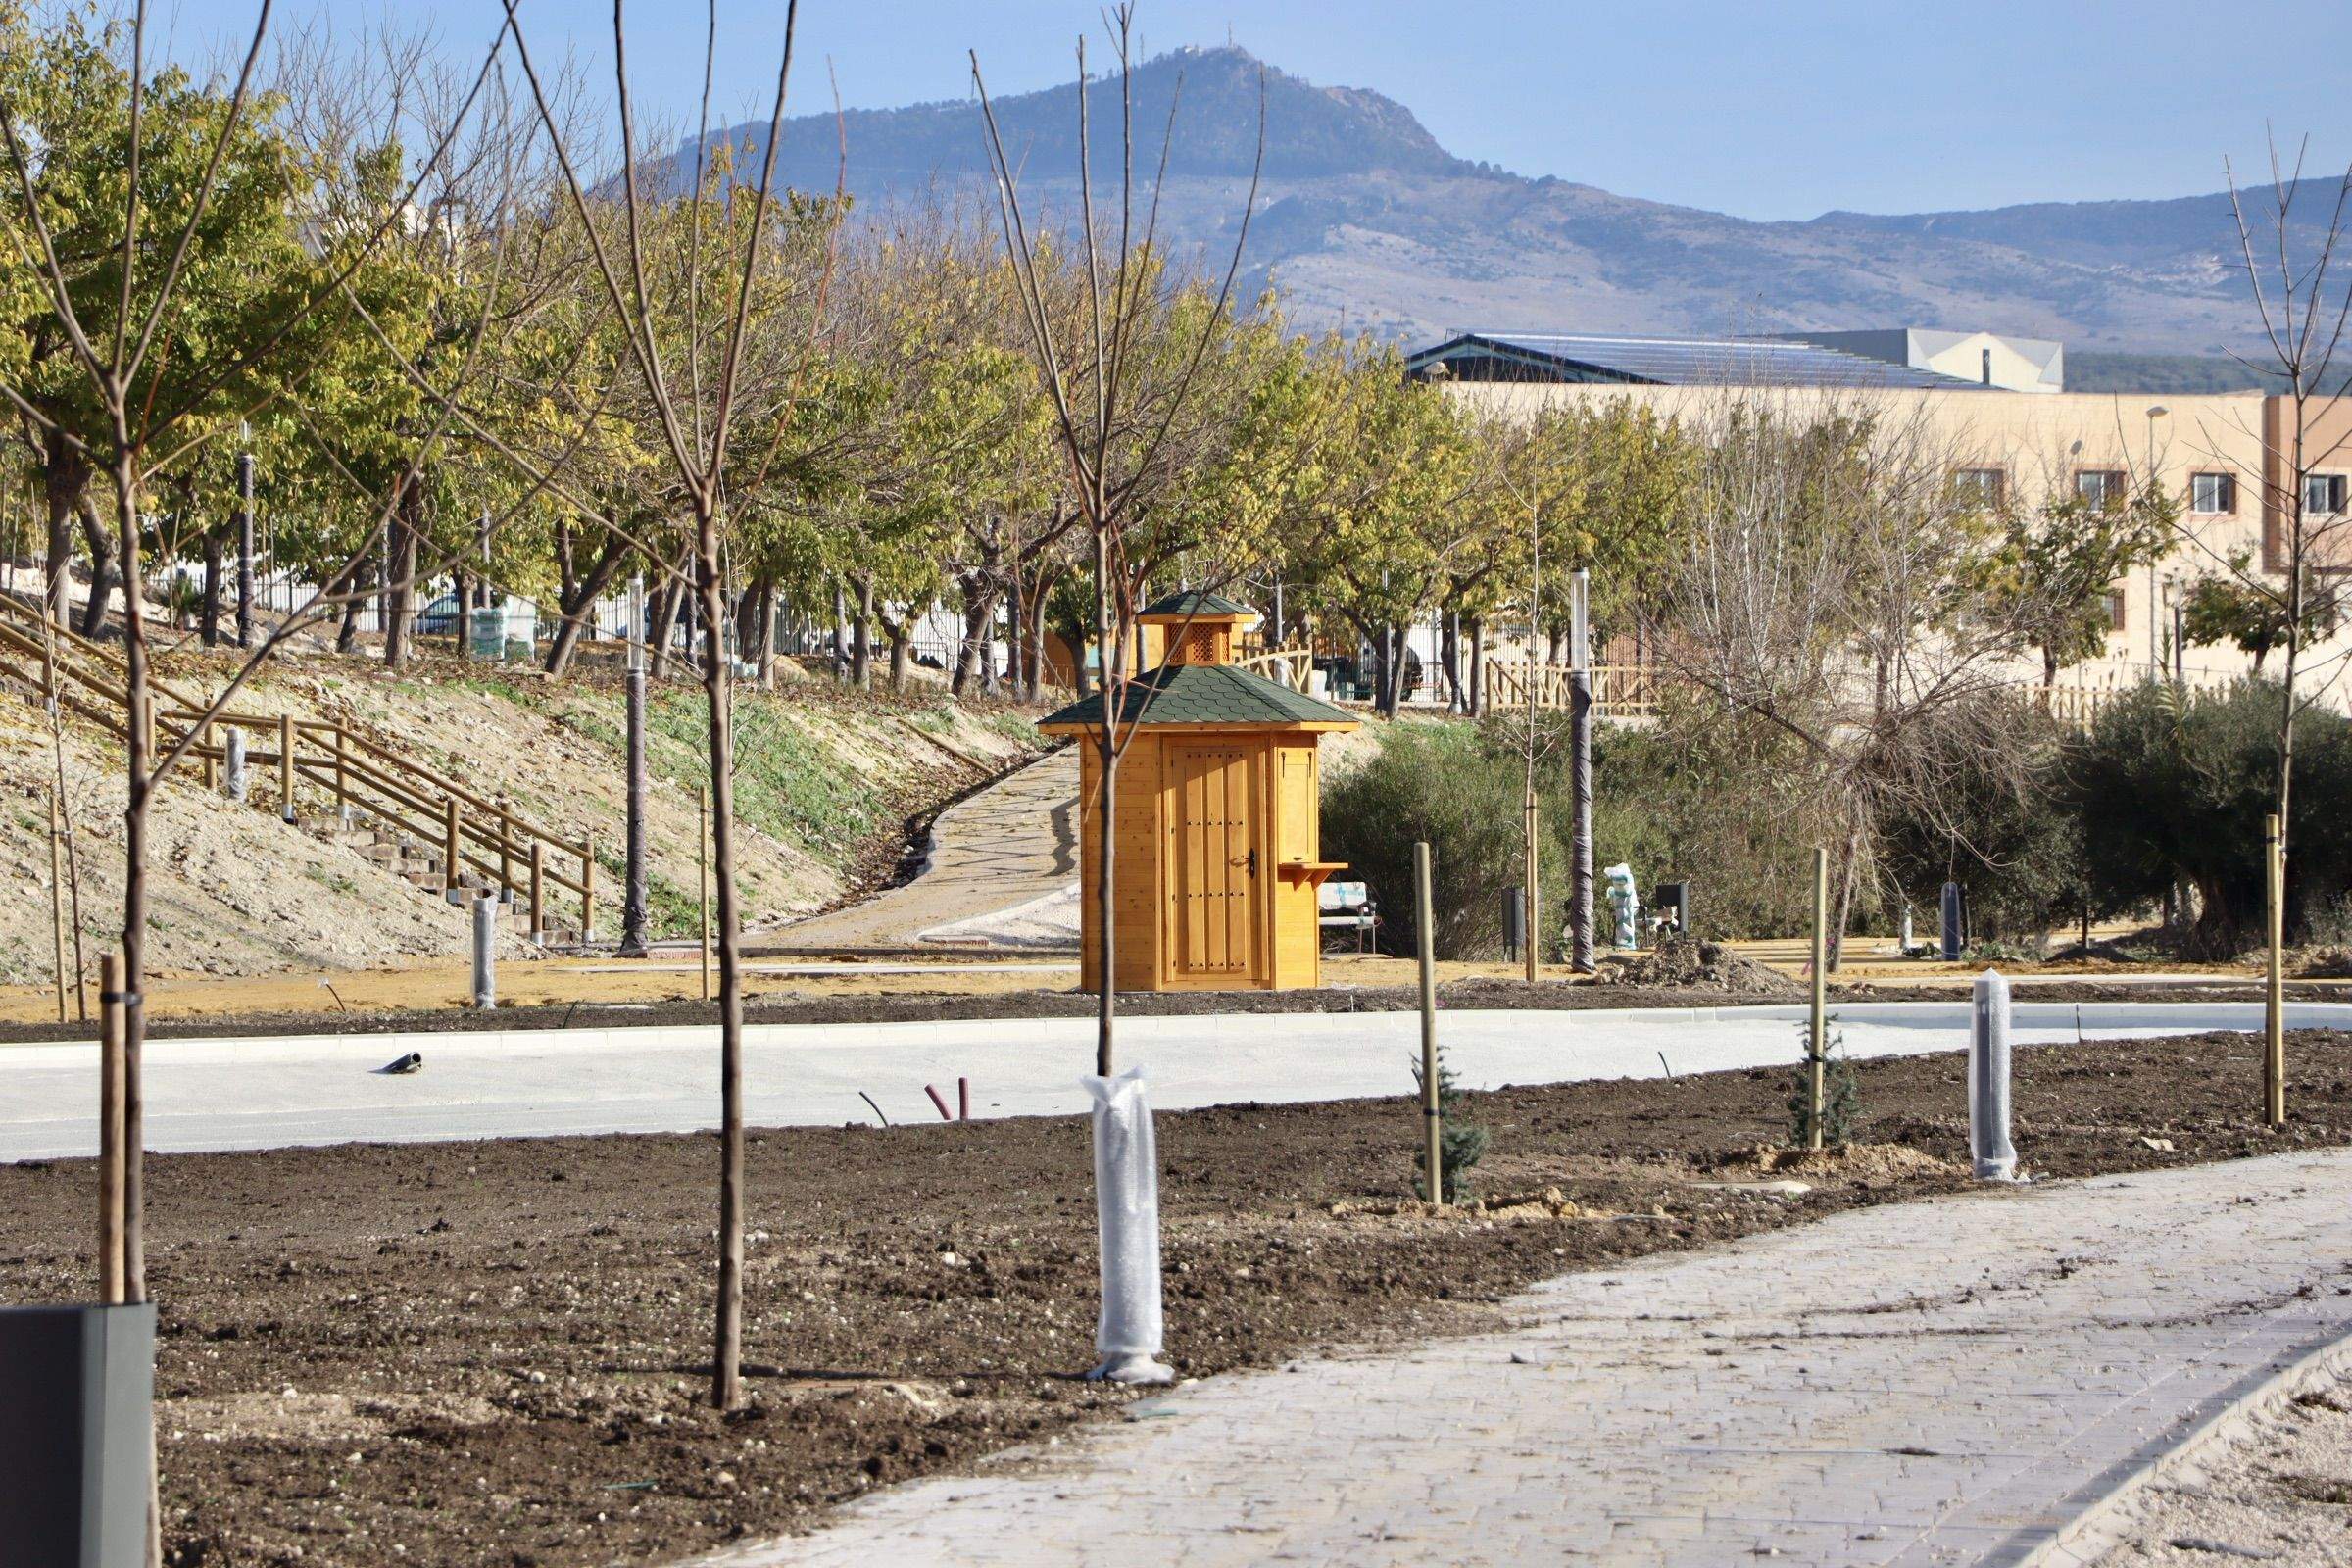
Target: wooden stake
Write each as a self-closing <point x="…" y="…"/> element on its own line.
<point x="588" y="889"/>
<point x="1433" y="1127"/>
<point x="449" y="843"/>
<point x="1534" y="897"/>
<point x="342" y="765"/>
<point x="57" y="908"/>
<point x="113" y="1117"/>
<point x="286" y="766"/>
<point x="211" y="763"/>
<point x="538" y="891"/>
<point x="702" y="869"/>
<point x="1816" y="1049"/>
<point x="2274" y="1009"/>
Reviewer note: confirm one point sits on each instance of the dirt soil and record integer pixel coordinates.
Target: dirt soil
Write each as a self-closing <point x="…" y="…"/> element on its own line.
<point x="540" y="997"/>
<point x="833" y="785"/>
<point x="1689" y="962"/>
<point x="487" y="1353"/>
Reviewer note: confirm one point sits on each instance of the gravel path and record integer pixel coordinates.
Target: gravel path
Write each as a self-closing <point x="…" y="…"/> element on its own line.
<point x="1944" y="1383"/>
<point x="1012" y="844"/>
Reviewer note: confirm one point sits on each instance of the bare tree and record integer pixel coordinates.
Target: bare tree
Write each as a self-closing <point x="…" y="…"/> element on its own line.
<point x="686" y="349"/>
<point x="1114" y="404"/>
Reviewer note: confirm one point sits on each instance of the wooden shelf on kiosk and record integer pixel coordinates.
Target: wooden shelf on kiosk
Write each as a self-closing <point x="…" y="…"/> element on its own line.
<point x="1313" y="872"/>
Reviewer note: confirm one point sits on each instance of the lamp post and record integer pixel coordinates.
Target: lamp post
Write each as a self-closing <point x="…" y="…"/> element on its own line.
<point x="1580" y="773"/>
<point x="245" y="536"/>
<point x="633" y="900"/>
<point x="2156" y="410"/>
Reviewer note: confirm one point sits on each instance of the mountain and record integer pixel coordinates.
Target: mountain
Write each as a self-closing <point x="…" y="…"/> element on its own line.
<point x="1366" y="222"/>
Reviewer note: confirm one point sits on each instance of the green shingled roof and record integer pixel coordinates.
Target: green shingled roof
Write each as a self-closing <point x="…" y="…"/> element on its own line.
<point x="1203" y="694"/>
<point x="1197" y="604"/>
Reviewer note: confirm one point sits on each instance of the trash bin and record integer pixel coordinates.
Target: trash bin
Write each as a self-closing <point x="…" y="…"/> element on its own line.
<point x="1514" y="922"/>
<point x="76" y="1434"/>
<point x="1673" y="900"/>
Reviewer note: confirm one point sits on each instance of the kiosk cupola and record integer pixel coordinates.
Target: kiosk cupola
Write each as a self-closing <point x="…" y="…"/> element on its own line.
<point x="1191" y="629"/>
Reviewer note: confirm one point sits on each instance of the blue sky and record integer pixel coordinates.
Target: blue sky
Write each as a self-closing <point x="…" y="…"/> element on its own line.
<point x="1764" y="109"/>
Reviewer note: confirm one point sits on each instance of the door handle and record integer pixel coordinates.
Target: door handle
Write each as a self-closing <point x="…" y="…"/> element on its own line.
<point x="1250" y="860"/>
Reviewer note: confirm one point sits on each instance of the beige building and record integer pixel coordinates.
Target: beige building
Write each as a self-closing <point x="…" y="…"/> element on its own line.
<point x="2226" y="457"/>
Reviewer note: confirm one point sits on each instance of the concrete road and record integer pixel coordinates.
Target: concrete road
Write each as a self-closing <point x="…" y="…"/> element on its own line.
<point x="273" y="1092"/>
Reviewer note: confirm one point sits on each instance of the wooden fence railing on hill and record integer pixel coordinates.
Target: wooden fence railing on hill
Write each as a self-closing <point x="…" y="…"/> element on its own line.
<point x="1636" y="691"/>
<point x="329" y="762"/>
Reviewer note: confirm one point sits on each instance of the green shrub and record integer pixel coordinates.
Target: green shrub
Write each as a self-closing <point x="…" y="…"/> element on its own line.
<point x="1445" y="783"/>
<point x="1841" y="1094"/>
<point x="1998" y="831"/>
<point x="2174" y="786"/>
<point x="1461" y="1143"/>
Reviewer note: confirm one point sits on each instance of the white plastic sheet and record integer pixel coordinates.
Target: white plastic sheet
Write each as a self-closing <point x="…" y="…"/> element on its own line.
<point x="1988" y="1144"/>
<point x="1127" y="1212"/>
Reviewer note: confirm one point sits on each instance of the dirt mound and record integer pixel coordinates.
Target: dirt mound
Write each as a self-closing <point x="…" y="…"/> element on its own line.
<point x="1687" y="963"/>
<point x="1868" y="1161"/>
<point x="2323" y="963"/>
<point x="1549" y="1203"/>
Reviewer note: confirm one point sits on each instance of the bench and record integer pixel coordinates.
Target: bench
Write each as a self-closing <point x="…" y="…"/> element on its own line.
<point x="1347" y="906"/>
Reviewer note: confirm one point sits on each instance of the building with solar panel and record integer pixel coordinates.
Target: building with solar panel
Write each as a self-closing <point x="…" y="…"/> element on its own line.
<point x="1904" y="356"/>
<point x="1997" y="408"/>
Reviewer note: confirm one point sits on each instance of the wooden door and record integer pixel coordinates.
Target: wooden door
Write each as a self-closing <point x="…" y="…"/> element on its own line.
<point x="1212" y="888"/>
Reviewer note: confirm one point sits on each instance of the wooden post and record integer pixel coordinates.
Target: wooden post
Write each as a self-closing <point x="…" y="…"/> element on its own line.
<point x="286" y="766"/>
<point x="505" y="849"/>
<point x="342" y="763"/>
<point x="113" y="1118"/>
<point x="701" y="869"/>
<point x="1433" y="1127"/>
<point x="211" y="763"/>
<point x="1534" y="898"/>
<point x="56" y="908"/>
<point x="538" y="891"/>
<point x="2274" y="1009"/>
<point x="449" y="843"/>
<point x="1816" y="1049"/>
<point x="587" y="888"/>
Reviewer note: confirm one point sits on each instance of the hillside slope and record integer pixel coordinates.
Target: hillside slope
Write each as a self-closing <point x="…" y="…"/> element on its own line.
<point x="1367" y="222"/>
<point x="826" y="780"/>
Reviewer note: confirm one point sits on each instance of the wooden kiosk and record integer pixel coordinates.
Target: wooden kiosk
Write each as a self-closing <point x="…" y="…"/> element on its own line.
<point x="1217" y="850"/>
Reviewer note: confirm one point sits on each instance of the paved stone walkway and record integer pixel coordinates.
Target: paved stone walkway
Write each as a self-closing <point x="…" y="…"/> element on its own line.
<point x="1011" y="845"/>
<point x="1936" y="1382"/>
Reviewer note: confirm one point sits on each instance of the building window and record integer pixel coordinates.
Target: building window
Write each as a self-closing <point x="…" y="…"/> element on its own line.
<point x="2101" y="487"/>
<point x="2323" y="493"/>
<point x="2213" y="493"/>
<point x="1978" y="487"/>
<point x="2114" y="609"/>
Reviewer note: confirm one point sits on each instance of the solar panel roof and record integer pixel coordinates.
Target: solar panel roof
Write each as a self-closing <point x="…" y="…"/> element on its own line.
<point x="1680" y="360"/>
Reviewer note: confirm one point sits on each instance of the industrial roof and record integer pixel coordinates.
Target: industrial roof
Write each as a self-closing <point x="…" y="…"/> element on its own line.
<point x="1196" y="603"/>
<point x="1201" y="694"/>
<point x="1665" y="362"/>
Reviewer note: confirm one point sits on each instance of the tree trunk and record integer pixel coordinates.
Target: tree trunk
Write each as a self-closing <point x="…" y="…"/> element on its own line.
<point x="578" y="598"/>
<point x="134" y="878"/>
<point x="726" y="1382"/>
<point x="399" y="571"/>
<point x="1478" y="667"/>
<point x="764" y="618"/>
<point x="1842" y="915"/>
<point x="862" y="638"/>
<point x="347" y="634"/>
<point x="208" y="618"/>
<point x="102" y="572"/>
<point x="1449" y="654"/>
<point x="668" y="601"/>
<point x="65" y="480"/>
<point x="901" y="632"/>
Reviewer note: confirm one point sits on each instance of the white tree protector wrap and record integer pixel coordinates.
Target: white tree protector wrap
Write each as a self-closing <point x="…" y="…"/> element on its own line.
<point x="1989" y="1145"/>
<point x="1127" y="1210"/>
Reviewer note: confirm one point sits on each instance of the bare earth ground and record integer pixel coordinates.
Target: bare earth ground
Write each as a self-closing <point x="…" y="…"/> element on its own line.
<point x="485" y="1354"/>
<point x="2280" y="1492"/>
<point x="834" y="785"/>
